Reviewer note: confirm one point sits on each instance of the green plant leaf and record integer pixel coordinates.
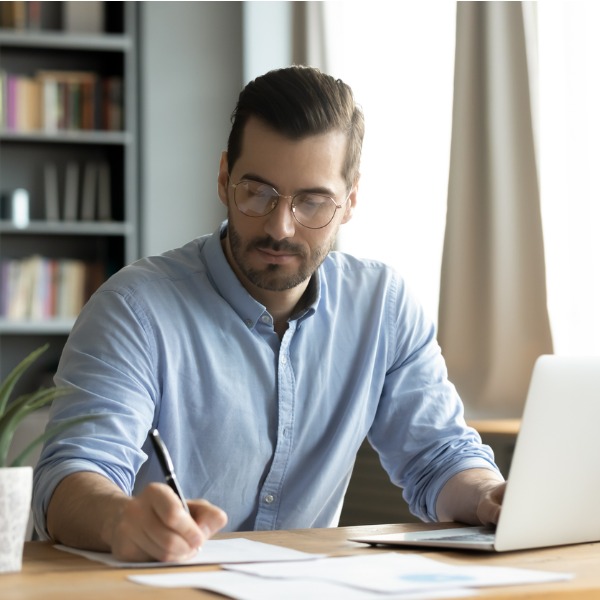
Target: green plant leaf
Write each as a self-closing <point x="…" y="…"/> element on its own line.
<point x="18" y="461"/>
<point x="13" y="412"/>
<point x="9" y="383"/>
<point x="18" y="410"/>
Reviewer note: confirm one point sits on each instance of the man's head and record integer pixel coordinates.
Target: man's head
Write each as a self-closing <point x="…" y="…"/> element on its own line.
<point x="298" y="102"/>
<point x="289" y="179"/>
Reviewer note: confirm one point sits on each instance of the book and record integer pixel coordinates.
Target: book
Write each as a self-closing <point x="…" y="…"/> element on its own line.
<point x="20" y="14"/>
<point x="38" y="301"/>
<point x="104" y="195"/>
<point x="10" y="282"/>
<point x="87" y="119"/>
<point x="52" y="293"/>
<point x="89" y="193"/>
<point x="41" y="288"/>
<point x="51" y="202"/>
<point x="83" y="17"/>
<point x="12" y="101"/>
<point x="3" y="93"/>
<point x="21" y="103"/>
<point x="13" y="15"/>
<point x="69" y="99"/>
<point x="34" y="14"/>
<point x="112" y="103"/>
<point x="71" y="287"/>
<point x="50" y="105"/>
<point x="95" y="277"/>
<point x="28" y="104"/>
<point x="71" y="196"/>
<point x="22" y="282"/>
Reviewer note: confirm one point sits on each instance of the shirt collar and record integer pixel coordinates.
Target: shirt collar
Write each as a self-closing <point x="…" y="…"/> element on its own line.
<point x="229" y="287"/>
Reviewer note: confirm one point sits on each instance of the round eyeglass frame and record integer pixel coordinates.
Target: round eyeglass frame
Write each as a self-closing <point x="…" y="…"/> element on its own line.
<point x="292" y="205"/>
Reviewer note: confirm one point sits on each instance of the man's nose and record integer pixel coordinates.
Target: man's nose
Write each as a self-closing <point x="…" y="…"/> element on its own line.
<point x="280" y="222"/>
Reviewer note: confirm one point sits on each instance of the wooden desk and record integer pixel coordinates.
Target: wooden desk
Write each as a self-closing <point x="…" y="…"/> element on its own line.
<point x="504" y="427"/>
<point x="54" y="575"/>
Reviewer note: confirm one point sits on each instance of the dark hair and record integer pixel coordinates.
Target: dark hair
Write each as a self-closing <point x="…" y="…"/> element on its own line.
<point x="298" y="102"/>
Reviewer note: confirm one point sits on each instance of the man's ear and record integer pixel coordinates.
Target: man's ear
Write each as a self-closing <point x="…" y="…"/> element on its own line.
<point x="351" y="202"/>
<point x="223" y="179"/>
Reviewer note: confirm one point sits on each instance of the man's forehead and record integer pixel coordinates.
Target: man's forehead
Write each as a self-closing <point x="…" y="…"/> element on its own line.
<point x="311" y="161"/>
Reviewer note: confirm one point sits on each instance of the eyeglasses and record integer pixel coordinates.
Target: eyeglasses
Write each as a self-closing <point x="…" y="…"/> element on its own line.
<point x="256" y="199"/>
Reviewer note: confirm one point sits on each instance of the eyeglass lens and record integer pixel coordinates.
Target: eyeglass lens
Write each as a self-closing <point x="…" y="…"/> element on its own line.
<point x="256" y="199"/>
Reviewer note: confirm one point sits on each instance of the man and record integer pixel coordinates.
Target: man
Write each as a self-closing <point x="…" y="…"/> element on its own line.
<point x="263" y="358"/>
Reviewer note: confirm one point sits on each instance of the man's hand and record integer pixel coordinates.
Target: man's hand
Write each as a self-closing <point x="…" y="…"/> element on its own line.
<point x="473" y="496"/>
<point x="490" y="502"/>
<point x="154" y="525"/>
<point x="88" y="511"/>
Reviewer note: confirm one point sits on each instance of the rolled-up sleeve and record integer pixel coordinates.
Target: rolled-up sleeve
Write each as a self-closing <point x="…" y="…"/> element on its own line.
<point x="419" y="430"/>
<point x="109" y="366"/>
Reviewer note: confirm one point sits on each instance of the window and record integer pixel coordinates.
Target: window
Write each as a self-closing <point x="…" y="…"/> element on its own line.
<point x="569" y="101"/>
<point x="399" y="60"/>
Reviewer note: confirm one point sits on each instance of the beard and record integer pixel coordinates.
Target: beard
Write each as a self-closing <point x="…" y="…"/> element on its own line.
<point x="274" y="277"/>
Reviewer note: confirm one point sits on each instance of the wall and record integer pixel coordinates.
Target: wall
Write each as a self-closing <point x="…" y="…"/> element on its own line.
<point x="265" y="52"/>
<point x="190" y="77"/>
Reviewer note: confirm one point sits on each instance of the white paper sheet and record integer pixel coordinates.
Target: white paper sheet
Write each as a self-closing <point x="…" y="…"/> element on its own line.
<point x="249" y="587"/>
<point x="213" y="552"/>
<point x="395" y="572"/>
<point x="383" y="576"/>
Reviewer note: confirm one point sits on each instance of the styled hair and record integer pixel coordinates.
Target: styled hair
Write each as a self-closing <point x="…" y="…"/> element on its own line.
<point x="297" y="102"/>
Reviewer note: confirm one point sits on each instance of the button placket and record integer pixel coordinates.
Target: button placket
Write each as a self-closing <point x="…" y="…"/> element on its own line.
<point x="270" y="496"/>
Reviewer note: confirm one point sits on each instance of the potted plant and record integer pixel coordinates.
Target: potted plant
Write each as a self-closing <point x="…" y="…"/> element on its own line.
<point x="16" y="479"/>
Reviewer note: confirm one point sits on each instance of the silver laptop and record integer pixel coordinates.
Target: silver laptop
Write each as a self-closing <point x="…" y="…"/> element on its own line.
<point x="553" y="488"/>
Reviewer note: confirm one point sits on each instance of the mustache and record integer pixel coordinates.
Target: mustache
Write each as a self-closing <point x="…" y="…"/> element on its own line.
<point x="268" y="243"/>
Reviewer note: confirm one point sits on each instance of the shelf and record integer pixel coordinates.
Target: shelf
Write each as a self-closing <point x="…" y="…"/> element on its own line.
<point x="67" y="228"/>
<point x="107" y="138"/>
<point x="60" y="40"/>
<point x="47" y="327"/>
<point x="25" y="153"/>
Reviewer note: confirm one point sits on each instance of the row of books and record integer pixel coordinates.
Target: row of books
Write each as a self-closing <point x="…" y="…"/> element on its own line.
<point x="54" y="101"/>
<point x="71" y="193"/>
<point x="34" y="15"/>
<point x="80" y="192"/>
<point x="40" y="288"/>
<point x="21" y="15"/>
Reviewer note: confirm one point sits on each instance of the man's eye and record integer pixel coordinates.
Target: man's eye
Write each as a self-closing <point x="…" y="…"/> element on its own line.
<point x="313" y="202"/>
<point x="261" y="191"/>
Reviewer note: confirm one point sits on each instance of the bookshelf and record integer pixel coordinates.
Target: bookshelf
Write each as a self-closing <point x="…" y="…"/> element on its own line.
<point x="69" y="151"/>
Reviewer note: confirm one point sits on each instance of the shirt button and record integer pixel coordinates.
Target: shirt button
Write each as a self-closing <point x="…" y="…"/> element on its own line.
<point x="284" y="360"/>
<point x="269" y="498"/>
<point x="266" y="319"/>
<point x="249" y="323"/>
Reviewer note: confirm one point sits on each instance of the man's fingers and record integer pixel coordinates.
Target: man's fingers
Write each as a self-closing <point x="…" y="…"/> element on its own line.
<point x="209" y="518"/>
<point x="488" y="511"/>
<point x="175" y="524"/>
<point x="156" y="525"/>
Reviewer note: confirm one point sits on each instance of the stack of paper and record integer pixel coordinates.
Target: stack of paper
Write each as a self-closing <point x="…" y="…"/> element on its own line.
<point x="254" y="571"/>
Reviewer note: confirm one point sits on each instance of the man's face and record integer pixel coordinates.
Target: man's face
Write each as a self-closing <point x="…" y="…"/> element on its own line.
<point x="274" y="252"/>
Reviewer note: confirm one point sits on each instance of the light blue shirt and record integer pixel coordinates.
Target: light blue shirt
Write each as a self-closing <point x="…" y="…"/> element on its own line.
<point x="267" y="429"/>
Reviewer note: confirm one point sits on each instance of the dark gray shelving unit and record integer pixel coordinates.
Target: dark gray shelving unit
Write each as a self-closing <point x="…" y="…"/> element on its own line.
<point x="23" y="154"/>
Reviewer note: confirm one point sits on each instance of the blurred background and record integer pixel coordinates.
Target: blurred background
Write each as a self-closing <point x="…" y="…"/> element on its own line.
<point x="479" y="171"/>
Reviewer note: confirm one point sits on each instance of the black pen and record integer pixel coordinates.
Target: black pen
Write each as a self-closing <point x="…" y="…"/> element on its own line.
<point x="166" y="464"/>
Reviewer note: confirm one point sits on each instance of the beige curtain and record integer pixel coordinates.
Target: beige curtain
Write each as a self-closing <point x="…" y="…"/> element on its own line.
<point x="493" y="318"/>
<point x="308" y="33"/>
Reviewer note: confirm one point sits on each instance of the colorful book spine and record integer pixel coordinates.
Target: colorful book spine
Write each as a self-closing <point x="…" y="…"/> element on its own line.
<point x="40" y="288"/>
